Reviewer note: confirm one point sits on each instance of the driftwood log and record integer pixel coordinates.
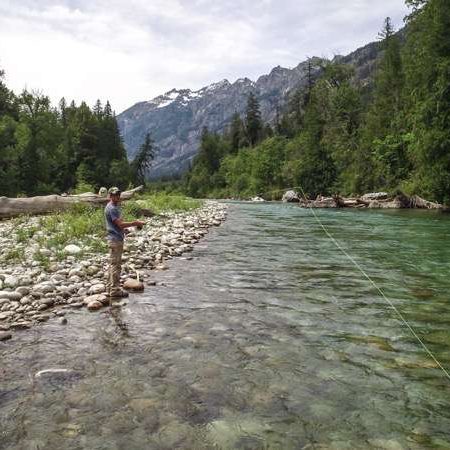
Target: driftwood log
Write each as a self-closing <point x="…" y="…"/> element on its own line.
<point x="13" y="207"/>
<point x="372" y="201"/>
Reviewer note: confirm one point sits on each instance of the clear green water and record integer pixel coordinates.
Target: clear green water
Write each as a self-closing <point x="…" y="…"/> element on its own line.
<point x="268" y="338"/>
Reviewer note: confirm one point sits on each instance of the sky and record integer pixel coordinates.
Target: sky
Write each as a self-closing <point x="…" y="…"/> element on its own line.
<point x="127" y="51"/>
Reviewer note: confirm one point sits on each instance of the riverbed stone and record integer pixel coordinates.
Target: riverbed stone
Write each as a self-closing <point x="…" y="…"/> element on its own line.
<point x="4" y="336"/>
<point x="46" y="287"/>
<point x="24" y="290"/>
<point x="5" y="315"/>
<point x="42" y="317"/>
<point x="97" y="289"/>
<point x="133" y="285"/>
<point x="101" y="298"/>
<point x="72" y="249"/>
<point x="48" y="302"/>
<point x="94" y="305"/>
<point x="12" y="296"/>
<point x="10" y="281"/>
<point x="21" y="325"/>
<point x="78" y="272"/>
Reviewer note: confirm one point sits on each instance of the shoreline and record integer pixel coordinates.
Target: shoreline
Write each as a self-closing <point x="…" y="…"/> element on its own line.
<point x="31" y="293"/>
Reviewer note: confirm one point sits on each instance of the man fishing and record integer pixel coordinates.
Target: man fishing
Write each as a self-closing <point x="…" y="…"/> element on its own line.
<point x="116" y="228"/>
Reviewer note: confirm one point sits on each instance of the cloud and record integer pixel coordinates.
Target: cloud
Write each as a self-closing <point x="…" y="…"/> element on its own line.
<point x="132" y="51"/>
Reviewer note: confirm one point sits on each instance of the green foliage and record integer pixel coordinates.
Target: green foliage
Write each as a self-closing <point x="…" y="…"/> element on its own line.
<point x="84" y="224"/>
<point x="253" y="122"/>
<point x="46" y="150"/>
<point x="24" y="233"/>
<point x="143" y="159"/>
<point x="15" y="255"/>
<point x="336" y="136"/>
<point x="161" y="203"/>
<point x="427" y="73"/>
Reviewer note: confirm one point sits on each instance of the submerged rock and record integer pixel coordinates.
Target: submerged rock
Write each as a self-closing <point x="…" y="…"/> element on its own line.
<point x="4" y="336"/>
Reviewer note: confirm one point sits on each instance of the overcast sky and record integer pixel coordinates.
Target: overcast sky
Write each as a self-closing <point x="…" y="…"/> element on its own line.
<point x="133" y="50"/>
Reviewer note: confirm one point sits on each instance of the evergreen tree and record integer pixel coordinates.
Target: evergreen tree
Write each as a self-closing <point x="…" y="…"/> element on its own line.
<point x="98" y="109"/>
<point x="427" y="70"/>
<point x="382" y="161"/>
<point x="237" y="133"/>
<point x="253" y="122"/>
<point x="143" y="159"/>
<point x="9" y="164"/>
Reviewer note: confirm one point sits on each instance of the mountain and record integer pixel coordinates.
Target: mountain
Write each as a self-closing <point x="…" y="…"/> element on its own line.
<point x="176" y="118"/>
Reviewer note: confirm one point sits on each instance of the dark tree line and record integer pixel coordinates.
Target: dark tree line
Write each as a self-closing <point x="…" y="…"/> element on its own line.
<point x="337" y="136"/>
<point x="44" y="149"/>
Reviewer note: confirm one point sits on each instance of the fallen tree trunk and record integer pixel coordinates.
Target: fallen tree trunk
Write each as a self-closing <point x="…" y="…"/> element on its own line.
<point x="13" y="207"/>
<point x="372" y="201"/>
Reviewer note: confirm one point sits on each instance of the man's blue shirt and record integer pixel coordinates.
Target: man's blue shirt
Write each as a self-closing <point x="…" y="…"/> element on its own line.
<point x="112" y="212"/>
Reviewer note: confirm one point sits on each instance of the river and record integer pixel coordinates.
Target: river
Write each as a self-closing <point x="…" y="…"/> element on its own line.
<point x="266" y="337"/>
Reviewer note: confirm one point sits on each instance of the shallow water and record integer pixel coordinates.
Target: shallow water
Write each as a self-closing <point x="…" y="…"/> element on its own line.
<point x="269" y="338"/>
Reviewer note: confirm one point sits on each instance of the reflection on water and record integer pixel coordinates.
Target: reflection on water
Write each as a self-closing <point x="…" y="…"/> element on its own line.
<point x="267" y="339"/>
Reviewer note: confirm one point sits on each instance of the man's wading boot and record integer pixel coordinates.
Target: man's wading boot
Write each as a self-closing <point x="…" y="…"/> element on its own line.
<point x="118" y="294"/>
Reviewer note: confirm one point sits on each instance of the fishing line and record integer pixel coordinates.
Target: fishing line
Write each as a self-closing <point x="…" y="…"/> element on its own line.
<point x="383" y="295"/>
<point x="389" y="302"/>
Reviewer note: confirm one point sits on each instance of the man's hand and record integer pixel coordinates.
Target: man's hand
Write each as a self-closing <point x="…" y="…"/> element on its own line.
<point x="139" y="224"/>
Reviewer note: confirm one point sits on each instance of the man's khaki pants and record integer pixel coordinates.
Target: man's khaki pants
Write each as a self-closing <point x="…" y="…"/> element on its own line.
<point x="115" y="267"/>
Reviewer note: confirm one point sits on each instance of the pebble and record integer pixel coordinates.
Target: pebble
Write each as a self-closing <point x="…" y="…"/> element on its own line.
<point x="76" y="283"/>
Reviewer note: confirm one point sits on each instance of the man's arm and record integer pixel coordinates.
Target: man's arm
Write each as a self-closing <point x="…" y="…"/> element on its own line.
<point x="123" y="225"/>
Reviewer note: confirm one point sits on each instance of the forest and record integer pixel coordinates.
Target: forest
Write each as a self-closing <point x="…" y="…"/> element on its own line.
<point x="338" y="137"/>
<point x="69" y="148"/>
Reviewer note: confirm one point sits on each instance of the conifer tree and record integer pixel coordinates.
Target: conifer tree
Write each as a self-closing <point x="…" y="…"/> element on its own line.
<point x="253" y="122"/>
<point x="384" y="163"/>
<point x="237" y="133"/>
<point x="427" y="70"/>
<point x="143" y="159"/>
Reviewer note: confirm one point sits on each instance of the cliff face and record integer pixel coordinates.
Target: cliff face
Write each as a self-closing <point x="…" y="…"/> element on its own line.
<point x="176" y="119"/>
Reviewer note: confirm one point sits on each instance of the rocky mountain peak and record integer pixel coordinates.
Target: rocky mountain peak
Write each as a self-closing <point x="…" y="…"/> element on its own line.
<point x="175" y="119"/>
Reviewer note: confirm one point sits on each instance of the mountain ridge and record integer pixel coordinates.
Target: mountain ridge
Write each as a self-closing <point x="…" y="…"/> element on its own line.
<point x="176" y="118"/>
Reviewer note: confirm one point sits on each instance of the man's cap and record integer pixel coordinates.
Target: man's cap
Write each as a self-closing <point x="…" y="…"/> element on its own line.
<point x="114" y="191"/>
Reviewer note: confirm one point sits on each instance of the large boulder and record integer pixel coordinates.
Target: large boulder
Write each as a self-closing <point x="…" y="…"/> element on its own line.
<point x="291" y="197"/>
<point x="10" y="281"/>
<point x="133" y="285"/>
<point x="94" y="306"/>
<point x="99" y="298"/>
<point x="72" y="249"/>
<point x="13" y="296"/>
<point x="97" y="289"/>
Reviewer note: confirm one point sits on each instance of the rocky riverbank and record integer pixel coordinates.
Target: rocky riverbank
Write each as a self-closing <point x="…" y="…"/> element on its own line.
<point x="39" y="288"/>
